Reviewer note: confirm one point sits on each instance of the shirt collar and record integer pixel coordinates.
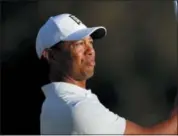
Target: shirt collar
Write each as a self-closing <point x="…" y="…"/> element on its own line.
<point x="62" y="88"/>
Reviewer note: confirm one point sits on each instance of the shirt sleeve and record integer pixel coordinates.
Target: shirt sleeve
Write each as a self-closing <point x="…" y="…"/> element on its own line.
<point x="91" y="117"/>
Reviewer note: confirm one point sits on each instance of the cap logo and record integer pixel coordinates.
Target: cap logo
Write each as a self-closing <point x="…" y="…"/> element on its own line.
<point x="75" y="19"/>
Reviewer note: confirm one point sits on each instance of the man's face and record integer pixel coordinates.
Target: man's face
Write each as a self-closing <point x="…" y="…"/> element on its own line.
<point x="82" y="58"/>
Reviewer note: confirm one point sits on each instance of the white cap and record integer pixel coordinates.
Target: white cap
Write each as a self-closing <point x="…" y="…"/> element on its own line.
<point x="64" y="27"/>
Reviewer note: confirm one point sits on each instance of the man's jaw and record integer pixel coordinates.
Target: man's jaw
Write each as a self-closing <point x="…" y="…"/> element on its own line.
<point x="80" y="83"/>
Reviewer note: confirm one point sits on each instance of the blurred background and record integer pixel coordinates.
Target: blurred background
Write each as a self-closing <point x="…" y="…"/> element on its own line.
<point x="136" y="71"/>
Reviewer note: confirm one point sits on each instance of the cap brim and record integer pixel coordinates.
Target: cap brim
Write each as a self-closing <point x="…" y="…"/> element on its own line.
<point x="94" y="32"/>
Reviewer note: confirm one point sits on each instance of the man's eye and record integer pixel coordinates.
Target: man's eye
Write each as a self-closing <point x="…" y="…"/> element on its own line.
<point x="91" y="42"/>
<point x="79" y="43"/>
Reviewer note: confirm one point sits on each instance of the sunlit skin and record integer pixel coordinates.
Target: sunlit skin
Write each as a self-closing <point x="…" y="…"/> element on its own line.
<point x="81" y="62"/>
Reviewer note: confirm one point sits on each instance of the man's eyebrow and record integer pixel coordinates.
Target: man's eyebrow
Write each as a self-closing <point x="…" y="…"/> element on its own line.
<point x="82" y="40"/>
<point x="91" y="38"/>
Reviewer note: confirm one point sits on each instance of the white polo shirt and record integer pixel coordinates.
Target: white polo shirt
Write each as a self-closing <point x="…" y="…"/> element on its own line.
<point x="70" y="109"/>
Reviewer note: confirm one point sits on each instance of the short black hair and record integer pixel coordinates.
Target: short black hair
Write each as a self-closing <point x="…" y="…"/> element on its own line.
<point x="58" y="45"/>
<point x="51" y="65"/>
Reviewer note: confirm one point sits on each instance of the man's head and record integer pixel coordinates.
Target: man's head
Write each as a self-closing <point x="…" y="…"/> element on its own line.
<point x="67" y="44"/>
<point x="74" y="59"/>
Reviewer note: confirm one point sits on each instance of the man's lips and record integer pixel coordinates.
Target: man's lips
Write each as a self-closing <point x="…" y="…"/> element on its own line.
<point x="90" y="62"/>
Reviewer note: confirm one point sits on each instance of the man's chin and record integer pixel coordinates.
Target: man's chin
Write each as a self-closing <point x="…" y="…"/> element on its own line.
<point x="89" y="74"/>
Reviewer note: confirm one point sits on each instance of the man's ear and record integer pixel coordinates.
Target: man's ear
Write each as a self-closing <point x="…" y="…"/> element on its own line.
<point x="45" y="54"/>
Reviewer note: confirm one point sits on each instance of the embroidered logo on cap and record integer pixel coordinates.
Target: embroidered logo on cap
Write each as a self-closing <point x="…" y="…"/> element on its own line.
<point x="75" y="19"/>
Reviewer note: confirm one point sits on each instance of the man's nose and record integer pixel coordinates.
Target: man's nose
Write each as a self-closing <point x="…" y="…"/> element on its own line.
<point x="90" y="51"/>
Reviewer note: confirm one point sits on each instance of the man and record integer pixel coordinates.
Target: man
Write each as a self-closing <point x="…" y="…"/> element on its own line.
<point x="69" y="108"/>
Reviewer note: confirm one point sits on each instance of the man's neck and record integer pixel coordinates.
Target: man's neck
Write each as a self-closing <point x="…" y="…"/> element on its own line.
<point x="75" y="82"/>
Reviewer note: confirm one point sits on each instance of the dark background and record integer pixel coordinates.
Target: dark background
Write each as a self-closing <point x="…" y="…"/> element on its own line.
<point x="135" y="75"/>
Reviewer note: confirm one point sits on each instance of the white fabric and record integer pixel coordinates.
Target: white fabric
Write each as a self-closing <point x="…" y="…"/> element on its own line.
<point x="63" y="27"/>
<point x="69" y="109"/>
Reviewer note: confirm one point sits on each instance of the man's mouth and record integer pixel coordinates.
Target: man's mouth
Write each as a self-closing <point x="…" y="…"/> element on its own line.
<point x="91" y="62"/>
